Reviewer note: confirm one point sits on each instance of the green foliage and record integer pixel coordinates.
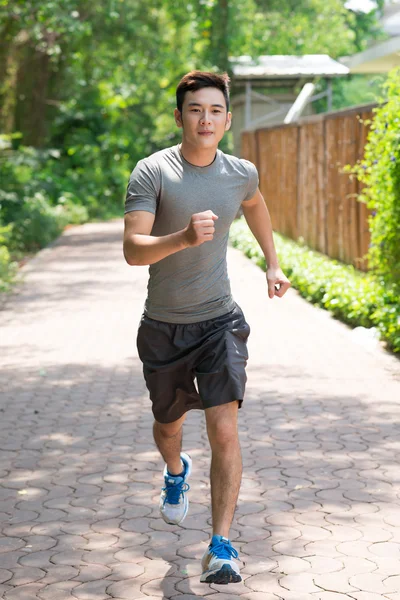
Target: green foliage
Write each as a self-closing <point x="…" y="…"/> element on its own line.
<point x="387" y="317"/>
<point x="301" y="27"/>
<point x="379" y="172"/>
<point x="351" y="296"/>
<point x="38" y="223"/>
<point x="355" y="90"/>
<point x="46" y="23"/>
<point x="36" y="199"/>
<point x="8" y="268"/>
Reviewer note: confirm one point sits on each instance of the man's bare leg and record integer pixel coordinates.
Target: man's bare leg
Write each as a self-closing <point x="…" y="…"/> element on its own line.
<point x="168" y="438"/>
<point x="226" y="464"/>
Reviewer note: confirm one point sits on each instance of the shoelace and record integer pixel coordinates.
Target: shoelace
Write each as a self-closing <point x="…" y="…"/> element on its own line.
<point x="224" y="550"/>
<point x="174" y="491"/>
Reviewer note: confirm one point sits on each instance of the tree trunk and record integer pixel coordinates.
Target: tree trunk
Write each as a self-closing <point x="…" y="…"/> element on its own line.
<point x="8" y="68"/>
<point x="220" y="35"/>
<point x="31" y="95"/>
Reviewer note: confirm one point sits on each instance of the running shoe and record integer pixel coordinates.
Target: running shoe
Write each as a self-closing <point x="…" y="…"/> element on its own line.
<point x="174" y="503"/>
<point x="218" y="564"/>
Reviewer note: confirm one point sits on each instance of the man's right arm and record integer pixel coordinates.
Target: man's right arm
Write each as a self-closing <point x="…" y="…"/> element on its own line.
<point x="141" y="248"/>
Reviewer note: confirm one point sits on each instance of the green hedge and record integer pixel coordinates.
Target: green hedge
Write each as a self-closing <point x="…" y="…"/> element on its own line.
<point x="351" y="296"/>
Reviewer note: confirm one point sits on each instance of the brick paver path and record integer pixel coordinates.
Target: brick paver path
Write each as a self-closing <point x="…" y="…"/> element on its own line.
<point x="319" y="509"/>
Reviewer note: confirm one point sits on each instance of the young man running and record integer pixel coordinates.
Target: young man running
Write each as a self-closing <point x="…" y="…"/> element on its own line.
<point x="180" y="204"/>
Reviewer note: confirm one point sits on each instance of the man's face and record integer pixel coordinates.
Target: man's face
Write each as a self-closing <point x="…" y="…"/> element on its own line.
<point x="204" y="117"/>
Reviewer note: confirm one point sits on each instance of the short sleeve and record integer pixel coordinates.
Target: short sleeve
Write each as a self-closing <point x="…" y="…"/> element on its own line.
<point x="253" y="179"/>
<point x="143" y="188"/>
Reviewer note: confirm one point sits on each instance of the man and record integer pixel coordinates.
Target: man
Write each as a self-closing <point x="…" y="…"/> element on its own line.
<point x="180" y="204"/>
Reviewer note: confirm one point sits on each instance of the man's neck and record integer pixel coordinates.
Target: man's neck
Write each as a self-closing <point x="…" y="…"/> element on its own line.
<point x="198" y="157"/>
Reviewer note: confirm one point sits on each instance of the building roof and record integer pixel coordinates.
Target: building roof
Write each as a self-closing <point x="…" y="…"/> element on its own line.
<point x="286" y="67"/>
<point x="380" y="58"/>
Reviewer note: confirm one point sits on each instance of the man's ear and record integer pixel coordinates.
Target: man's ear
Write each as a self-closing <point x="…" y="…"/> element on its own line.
<point x="228" y="121"/>
<point x="178" y="117"/>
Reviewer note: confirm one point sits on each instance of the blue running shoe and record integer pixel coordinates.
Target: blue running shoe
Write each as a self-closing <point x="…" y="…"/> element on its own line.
<point x="174" y="503"/>
<point x="218" y="564"/>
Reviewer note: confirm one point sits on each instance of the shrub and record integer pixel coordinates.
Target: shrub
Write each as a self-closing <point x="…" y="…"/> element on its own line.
<point x="7" y="267"/>
<point x="36" y="200"/>
<point x="37" y="225"/>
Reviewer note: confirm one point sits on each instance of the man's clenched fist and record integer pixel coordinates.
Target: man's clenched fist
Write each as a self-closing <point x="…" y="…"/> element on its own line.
<point x="201" y="228"/>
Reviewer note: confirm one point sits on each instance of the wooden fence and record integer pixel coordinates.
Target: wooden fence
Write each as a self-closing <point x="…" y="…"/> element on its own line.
<point x="308" y="195"/>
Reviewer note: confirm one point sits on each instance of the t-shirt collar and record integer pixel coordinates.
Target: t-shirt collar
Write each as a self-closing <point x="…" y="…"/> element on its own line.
<point x="196" y="167"/>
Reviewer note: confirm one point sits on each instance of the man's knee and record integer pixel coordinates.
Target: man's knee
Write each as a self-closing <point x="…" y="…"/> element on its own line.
<point x="169" y="429"/>
<point x="222" y="425"/>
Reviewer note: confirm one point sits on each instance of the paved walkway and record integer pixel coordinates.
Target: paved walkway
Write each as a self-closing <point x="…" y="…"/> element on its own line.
<point x="319" y="511"/>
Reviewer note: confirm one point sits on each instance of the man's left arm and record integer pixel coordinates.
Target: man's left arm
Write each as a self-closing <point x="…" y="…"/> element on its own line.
<point x="259" y="221"/>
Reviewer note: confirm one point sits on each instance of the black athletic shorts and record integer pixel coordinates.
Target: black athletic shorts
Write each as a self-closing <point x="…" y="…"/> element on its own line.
<point x="213" y="352"/>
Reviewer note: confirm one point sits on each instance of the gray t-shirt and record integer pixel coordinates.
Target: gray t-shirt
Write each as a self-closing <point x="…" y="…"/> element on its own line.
<point x="191" y="285"/>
